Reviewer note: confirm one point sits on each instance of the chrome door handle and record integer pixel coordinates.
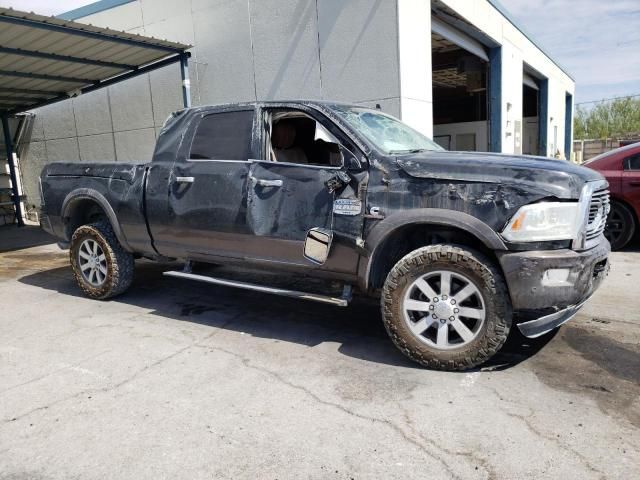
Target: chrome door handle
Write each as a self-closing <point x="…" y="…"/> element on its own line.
<point x="185" y="179"/>
<point x="267" y="183"/>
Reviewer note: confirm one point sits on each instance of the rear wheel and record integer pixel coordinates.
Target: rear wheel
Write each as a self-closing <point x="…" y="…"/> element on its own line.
<point x="446" y="307"/>
<point x="620" y="226"/>
<point x="102" y="268"/>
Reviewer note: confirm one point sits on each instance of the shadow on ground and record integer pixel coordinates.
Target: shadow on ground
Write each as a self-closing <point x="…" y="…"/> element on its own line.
<point x="357" y="329"/>
<point x="13" y="237"/>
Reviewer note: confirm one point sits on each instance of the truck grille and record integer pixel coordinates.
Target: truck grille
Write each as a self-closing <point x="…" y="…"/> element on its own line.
<point x="598" y="212"/>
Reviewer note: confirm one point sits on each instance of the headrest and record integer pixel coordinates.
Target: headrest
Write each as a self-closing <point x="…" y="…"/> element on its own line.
<point x="283" y="135"/>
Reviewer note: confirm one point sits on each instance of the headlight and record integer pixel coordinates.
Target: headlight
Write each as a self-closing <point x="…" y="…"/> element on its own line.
<point x="546" y="221"/>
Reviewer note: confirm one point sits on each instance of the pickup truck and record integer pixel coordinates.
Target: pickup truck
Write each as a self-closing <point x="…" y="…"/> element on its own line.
<point x="459" y="247"/>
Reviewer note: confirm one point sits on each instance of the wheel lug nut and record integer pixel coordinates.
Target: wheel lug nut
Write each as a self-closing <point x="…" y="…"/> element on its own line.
<point x="444" y="297"/>
<point x="431" y="307"/>
<point x="456" y="310"/>
<point x="453" y="302"/>
<point x="435" y="299"/>
<point x="443" y="321"/>
<point x="434" y="316"/>
<point x="452" y="318"/>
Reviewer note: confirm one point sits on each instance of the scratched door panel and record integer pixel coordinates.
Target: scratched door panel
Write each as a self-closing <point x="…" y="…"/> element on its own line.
<point x="279" y="216"/>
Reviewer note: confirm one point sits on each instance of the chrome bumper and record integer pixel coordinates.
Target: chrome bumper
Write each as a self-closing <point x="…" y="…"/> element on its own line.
<point x="542" y="325"/>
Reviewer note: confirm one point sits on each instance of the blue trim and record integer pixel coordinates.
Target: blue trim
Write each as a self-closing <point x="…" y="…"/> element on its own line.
<point x="505" y="13"/>
<point x="92" y="8"/>
<point x="495" y="99"/>
<point x="568" y="120"/>
<point x="543" y="118"/>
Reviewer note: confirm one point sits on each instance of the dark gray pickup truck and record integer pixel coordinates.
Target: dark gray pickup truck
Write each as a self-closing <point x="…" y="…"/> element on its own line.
<point x="458" y="246"/>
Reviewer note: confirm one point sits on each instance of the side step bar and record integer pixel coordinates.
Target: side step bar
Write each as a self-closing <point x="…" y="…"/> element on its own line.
<point x="342" y="301"/>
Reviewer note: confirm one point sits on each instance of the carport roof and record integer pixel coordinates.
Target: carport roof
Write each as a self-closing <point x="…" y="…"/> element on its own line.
<point x="46" y="59"/>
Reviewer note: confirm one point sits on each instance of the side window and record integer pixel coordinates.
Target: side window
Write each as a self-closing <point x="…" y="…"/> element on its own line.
<point x="294" y="137"/>
<point x="223" y="136"/>
<point x="632" y="163"/>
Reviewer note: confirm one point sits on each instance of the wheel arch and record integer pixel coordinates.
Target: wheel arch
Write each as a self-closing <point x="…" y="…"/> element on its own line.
<point x="85" y="205"/>
<point x="403" y="232"/>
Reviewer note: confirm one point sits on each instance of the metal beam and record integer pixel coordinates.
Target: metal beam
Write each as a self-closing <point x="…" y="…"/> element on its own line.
<point x="84" y="33"/>
<point x="110" y="81"/>
<point x="15" y="196"/>
<point x="40" y="76"/>
<point x="65" y="58"/>
<point x="27" y="91"/>
<point x="21" y="99"/>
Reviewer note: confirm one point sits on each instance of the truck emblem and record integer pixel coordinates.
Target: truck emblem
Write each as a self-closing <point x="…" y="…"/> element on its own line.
<point x="347" y="206"/>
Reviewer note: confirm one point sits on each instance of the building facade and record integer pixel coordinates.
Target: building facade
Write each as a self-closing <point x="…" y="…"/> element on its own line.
<point x="460" y="71"/>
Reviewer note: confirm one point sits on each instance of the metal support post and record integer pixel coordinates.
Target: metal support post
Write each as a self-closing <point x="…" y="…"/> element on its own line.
<point x="186" y="83"/>
<point x="15" y="196"/>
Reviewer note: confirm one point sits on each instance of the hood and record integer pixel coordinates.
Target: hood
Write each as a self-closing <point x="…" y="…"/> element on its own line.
<point x="556" y="178"/>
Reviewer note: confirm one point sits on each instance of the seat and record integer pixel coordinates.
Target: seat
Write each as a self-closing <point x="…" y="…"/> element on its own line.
<point x="283" y="138"/>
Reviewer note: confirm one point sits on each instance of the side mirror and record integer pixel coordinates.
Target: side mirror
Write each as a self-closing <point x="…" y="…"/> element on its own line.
<point x="317" y="245"/>
<point x="351" y="162"/>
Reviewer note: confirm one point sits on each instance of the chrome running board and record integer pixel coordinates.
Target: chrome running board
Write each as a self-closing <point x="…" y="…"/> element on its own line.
<point x="342" y="301"/>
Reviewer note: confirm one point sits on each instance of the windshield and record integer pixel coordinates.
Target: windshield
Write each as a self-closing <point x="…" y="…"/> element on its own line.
<point x="386" y="132"/>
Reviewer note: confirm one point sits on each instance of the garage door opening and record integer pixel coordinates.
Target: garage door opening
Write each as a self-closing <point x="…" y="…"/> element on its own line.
<point x="460" y="106"/>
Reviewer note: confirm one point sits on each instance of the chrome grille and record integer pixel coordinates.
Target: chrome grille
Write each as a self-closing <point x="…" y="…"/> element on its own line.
<point x="597" y="219"/>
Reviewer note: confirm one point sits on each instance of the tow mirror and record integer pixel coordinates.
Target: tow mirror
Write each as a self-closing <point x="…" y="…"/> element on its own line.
<point x="317" y="245"/>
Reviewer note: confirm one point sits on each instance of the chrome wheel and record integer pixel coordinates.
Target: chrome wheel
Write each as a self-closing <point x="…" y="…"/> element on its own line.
<point x="92" y="262"/>
<point x="444" y="309"/>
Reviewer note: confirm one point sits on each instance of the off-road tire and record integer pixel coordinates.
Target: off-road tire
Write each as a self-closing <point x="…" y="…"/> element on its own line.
<point x="491" y="336"/>
<point x="120" y="263"/>
<point x="628" y="221"/>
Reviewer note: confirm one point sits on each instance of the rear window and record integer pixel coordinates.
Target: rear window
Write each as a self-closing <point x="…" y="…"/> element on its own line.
<point x="223" y="136"/>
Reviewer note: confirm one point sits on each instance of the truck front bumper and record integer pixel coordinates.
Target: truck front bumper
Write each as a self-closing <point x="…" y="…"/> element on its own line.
<point x="547" y="288"/>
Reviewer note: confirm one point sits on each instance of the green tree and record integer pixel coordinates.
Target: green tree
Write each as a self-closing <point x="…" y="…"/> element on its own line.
<point x="608" y="119"/>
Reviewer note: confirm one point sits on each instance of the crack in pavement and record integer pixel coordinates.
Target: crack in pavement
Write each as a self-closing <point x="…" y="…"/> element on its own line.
<point x="525" y="419"/>
<point x="484" y="463"/>
<point x="94" y="391"/>
<point x="247" y="363"/>
<point x="58" y="370"/>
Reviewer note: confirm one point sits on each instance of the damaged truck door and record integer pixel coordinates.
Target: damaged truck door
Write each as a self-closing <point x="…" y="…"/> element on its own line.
<point x="298" y="187"/>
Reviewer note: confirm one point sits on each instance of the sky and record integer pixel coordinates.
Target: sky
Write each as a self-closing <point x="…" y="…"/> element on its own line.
<point x="596" y="41"/>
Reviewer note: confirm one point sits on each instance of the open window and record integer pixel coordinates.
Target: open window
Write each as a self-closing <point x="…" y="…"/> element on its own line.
<point x="292" y="136"/>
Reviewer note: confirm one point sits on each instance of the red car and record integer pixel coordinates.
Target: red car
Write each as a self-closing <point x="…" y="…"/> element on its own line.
<point x="621" y="167"/>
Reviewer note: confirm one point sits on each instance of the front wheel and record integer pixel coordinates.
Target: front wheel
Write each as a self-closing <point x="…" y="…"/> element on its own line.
<point x="102" y="268"/>
<point x="620" y="226"/>
<point x="446" y="307"/>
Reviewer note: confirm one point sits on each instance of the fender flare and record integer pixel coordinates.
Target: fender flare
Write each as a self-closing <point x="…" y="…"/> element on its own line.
<point x="424" y="216"/>
<point x="91" y="194"/>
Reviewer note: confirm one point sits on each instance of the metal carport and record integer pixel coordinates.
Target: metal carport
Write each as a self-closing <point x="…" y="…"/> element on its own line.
<point x="44" y="60"/>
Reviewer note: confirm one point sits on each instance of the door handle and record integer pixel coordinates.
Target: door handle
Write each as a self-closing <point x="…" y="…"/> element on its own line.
<point x="185" y="179"/>
<point x="267" y="183"/>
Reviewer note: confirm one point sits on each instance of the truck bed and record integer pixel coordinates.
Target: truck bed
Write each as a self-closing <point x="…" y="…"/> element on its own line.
<point x="121" y="186"/>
